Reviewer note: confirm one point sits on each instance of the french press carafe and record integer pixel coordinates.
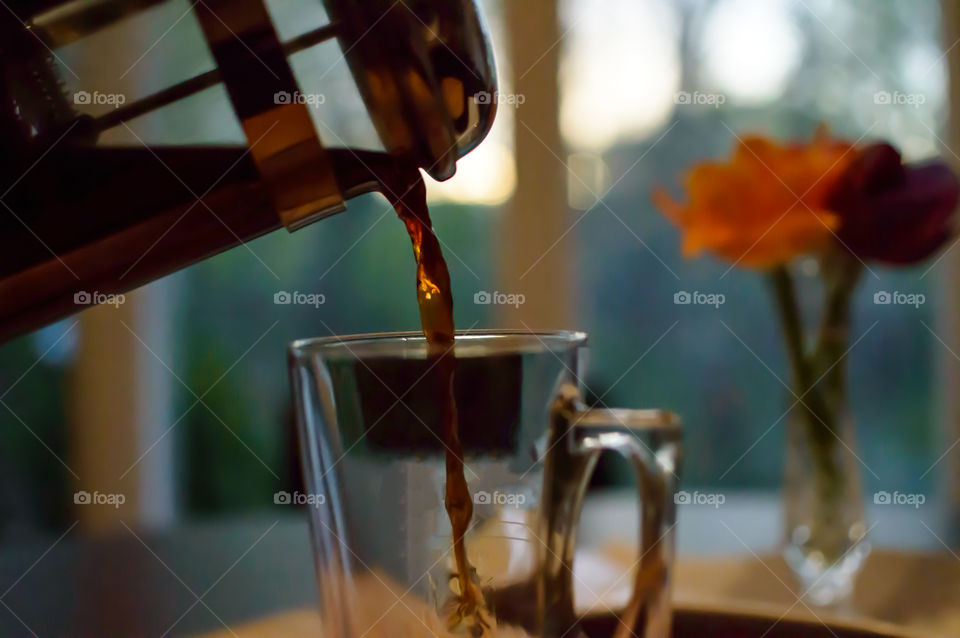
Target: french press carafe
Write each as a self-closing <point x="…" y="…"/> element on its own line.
<point x="76" y="215"/>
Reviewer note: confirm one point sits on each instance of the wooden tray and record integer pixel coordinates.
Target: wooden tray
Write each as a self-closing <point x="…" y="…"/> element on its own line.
<point x="688" y="623"/>
<point x="702" y="622"/>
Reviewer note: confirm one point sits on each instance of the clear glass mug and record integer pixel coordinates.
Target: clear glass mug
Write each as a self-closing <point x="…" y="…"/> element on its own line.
<point x="373" y="465"/>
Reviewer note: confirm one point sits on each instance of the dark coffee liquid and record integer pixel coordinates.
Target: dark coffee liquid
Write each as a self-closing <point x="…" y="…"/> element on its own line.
<point x="471" y="610"/>
<point x="404" y="188"/>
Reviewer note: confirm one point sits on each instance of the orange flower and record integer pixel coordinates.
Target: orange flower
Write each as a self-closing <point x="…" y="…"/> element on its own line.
<point x="763" y="206"/>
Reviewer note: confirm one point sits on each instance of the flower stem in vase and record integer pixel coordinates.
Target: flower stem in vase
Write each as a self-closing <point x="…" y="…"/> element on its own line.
<point x="824" y="522"/>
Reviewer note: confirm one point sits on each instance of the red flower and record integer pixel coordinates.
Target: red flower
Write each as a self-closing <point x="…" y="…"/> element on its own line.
<point x="892" y="212"/>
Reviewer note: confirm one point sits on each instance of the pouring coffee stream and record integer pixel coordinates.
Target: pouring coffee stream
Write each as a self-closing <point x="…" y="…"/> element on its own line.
<point x="404" y="188"/>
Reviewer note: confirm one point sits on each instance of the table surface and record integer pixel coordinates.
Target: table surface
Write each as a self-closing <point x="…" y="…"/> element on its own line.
<point x="918" y="595"/>
<point x="202" y="577"/>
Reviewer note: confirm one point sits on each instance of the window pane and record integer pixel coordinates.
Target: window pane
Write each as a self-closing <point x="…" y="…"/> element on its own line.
<point x="651" y="88"/>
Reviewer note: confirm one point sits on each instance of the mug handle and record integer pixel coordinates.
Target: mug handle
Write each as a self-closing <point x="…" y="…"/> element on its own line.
<point x="650" y="441"/>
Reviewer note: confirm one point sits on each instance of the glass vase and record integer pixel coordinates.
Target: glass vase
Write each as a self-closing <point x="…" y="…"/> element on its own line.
<point x="826" y="536"/>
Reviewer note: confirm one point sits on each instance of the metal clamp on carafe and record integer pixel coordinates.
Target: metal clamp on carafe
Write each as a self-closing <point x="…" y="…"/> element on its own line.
<point x="78" y="216"/>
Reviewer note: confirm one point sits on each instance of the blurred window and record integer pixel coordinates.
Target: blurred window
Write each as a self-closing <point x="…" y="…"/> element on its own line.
<point x="648" y="88"/>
